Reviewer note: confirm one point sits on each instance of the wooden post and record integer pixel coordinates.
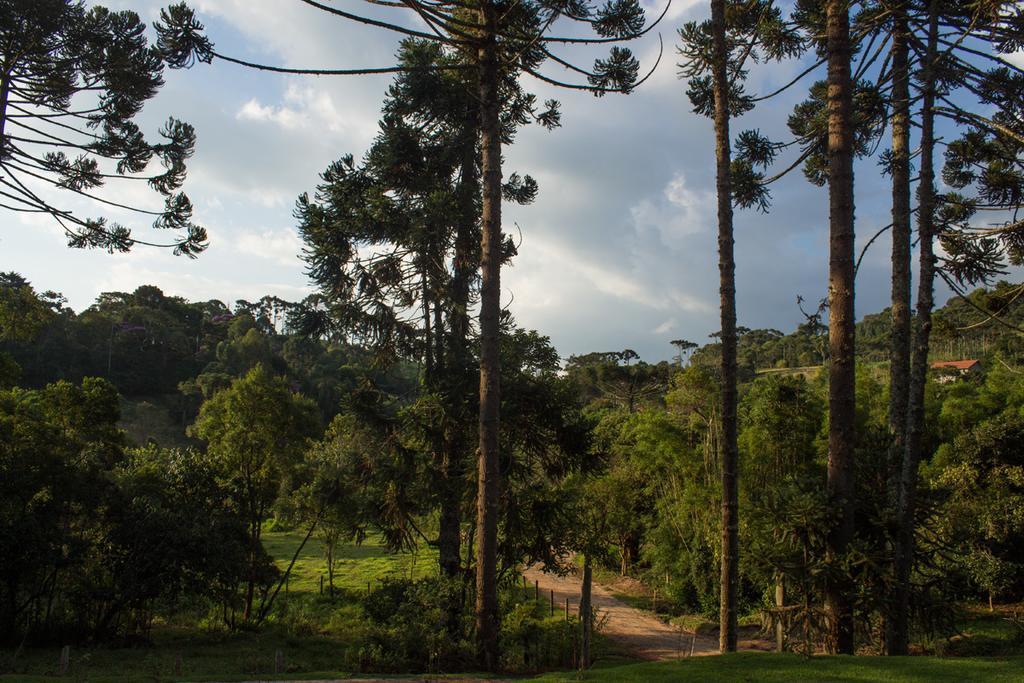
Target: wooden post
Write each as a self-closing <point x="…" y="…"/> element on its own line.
<point x="567" y="608"/>
<point x="780" y="602"/>
<point x="552" y="602"/>
<point x="65" y="659"/>
<point x="536" y="590"/>
<point x="321" y="584"/>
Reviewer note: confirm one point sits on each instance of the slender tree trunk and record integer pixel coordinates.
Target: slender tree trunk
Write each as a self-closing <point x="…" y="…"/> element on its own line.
<point x="780" y="602"/>
<point x="727" y="305"/>
<point x="841" y="434"/>
<point x="586" y="618"/>
<point x="899" y="350"/>
<point x="490" y="310"/>
<point x="906" y="505"/>
<point x="463" y="269"/>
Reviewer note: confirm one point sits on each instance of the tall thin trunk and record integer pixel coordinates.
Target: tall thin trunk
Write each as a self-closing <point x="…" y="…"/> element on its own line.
<point x="586" y="616"/>
<point x="488" y="471"/>
<point x="905" y="510"/>
<point x="841" y="398"/>
<point x="727" y="304"/>
<point x="899" y="350"/>
<point x="458" y="379"/>
<point x="780" y="602"/>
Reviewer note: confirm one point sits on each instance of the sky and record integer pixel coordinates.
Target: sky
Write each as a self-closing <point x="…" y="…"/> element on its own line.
<point x="618" y="251"/>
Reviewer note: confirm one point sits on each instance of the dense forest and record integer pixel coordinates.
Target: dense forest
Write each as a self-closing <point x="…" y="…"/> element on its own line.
<point x="187" y="429"/>
<point x="368" y="480"/>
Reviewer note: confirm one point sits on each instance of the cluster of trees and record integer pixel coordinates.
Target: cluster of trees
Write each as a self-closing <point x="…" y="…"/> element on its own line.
<point x="654" y="482"/>
<point x="98" y="537"/>
<point x="887" y="64"/>
<point x="982" y="325"/>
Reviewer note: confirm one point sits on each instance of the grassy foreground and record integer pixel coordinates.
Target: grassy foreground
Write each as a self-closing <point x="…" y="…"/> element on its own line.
<point x="772" y="668"/>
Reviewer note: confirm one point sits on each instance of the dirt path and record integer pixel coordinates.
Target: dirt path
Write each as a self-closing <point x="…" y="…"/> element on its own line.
<point x="638" y="631"/>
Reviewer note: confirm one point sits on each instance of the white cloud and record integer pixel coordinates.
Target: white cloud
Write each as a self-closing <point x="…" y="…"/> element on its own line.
<point x="666" y="326"/>
<point x="680" y="212"/>
<point x="282" y="246"/>
<point x="307" y="108"/>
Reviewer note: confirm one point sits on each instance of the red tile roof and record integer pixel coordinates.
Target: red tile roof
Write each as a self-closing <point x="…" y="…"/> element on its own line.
<point x="956" y="364"/>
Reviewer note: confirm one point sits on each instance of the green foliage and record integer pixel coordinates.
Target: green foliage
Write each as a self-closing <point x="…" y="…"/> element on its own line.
<point x="981" y="476"/>
<point x="96" y="539"/>
<point x="54" y="51"/>
<point x="256" y="433"/>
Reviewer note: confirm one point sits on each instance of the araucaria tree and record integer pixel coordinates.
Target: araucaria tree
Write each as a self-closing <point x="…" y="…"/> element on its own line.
<point x="72" y="81"/>
<point x="842" y="368"/>
<point x="715" y="55"/>
<point x="493" y="41"/>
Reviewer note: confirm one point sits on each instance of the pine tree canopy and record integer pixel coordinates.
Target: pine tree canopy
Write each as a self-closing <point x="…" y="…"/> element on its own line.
<point x="72" y="81"/>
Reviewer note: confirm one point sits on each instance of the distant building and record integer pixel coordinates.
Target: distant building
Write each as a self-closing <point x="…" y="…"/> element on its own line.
<point x="951" y="369"/>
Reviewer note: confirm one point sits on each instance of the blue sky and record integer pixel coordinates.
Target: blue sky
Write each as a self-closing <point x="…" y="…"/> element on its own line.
<point x="618" y="251"/>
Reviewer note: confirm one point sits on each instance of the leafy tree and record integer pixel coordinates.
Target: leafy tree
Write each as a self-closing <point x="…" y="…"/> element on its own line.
<point x="613" y="379"/>
<point x="256" y="432"/>
<point x="981" y="476"/>
<point x="57" y="446"/>
<point x="72" y="81"/>
<point x="497" y="41"/>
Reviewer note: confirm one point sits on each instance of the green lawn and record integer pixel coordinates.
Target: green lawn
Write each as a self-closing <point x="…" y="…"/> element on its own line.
<point x="772" y="668"/>
<point x="358" y="564"/>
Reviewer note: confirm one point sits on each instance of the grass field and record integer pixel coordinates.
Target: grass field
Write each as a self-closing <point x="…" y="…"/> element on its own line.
<point x="357" y="564"/>
<point x="772" y="668"/>
<point x="315" y="633"/>
<point x="311" y="631"/>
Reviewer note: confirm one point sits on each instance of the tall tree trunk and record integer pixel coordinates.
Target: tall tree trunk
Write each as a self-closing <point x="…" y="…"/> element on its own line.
<point x="899" y="350"/>
<point x="905" y="510"/>
<point x="841" y="397"/>
<point x="490" y="309"/>
<point x="727" y="303"/>
<point x="586" y="616"/>
<point x="780" y="602"/>
<point x="458" y="370"/>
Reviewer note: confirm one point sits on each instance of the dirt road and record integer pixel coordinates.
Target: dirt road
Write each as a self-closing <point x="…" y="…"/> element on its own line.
<point x="639" y="632"/>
